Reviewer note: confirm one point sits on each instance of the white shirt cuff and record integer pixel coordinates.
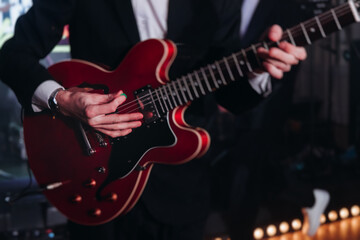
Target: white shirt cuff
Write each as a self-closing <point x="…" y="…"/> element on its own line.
<point x="42" y="94"/>
<point x="261" y="83"/>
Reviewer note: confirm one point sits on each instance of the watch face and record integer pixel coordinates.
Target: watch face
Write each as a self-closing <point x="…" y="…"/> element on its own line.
<point x="52" y="101"/>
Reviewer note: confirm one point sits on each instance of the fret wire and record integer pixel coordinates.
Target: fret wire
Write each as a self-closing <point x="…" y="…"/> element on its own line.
<point x="237" y="65"/>
<point x="220" y="73"/>
<point x="300" y="30"/>
<point x="320" y="27"/>
<point x="354" y="11"/>
<point x="158" y="97"/>
<point x="291" y="37"/>
<point x="246" y="60"/>
<point x="193" y="86"/>
<point x="164" y="99"/>
<point x="255" y="53"/>
<point x="265" y="45"/>
<point x="305" y="33"/>
<point x="168" y="97"/>
<point x="171" y="94"/>
<point x="152" y="99"/>
<point x="182" y="90"/>
<point x="336" y="19"/>
<point x="228" y="69"/>
<point x="177" y="92"/>
<point x="200" y="84"/>
<point x="213" y="76"/>
<point x="342" y="10"/>
<point x="206" y="79"/>
<point x="187" y="88"/>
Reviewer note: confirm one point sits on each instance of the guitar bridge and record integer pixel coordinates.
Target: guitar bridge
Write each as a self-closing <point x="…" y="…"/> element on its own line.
<point x="147" y="104"/>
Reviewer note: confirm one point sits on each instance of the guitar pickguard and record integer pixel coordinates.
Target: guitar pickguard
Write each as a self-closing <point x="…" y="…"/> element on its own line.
<point x="125" y="157"/>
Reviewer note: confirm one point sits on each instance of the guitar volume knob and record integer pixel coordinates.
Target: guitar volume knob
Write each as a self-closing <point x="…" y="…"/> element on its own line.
<point x="90" y="183"/>
<point x="112" y="197"/>
<point x="76" y="198"/>
<point x="95" y="212"/>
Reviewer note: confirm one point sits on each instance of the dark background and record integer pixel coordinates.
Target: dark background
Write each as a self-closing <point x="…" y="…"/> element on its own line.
<point x="317" y="145"/>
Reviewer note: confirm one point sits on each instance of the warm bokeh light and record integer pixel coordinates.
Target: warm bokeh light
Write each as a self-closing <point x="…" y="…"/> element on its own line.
<point x="344" y="213"/>
<point x="271" y="230"/>
<point x="333" y="216"/>
<point x="284" y="227"/>
<point x="322" y="218"/>
<point x="296" y="224"/>
<point x="258" y="233"/>
<point x="218" y="238"/>
<point x="355" y="210"/>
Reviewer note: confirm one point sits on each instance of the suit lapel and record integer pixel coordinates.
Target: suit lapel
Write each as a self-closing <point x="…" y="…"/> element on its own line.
<point x="179" y="17"/>
<point x="173" y="18"/>
<point x="256" y="26"/>
<point x="127" y="20"/>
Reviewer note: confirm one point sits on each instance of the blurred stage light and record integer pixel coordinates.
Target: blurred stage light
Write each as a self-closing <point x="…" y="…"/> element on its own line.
<point x="271" y="230"/>
<point x="296" y="224"/>
<point x="355" y="210"/>
<point x="284" y="227"/>
<point x="258" y="233"/>
<point x="333" y="216"/>
<point x="323" y="219"/>
<point x="344" y="213"/>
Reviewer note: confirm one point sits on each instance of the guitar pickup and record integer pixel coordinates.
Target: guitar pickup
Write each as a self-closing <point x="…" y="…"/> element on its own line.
<point x="147" y="104"/>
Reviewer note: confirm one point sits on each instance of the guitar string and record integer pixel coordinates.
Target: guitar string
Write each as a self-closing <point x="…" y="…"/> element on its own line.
<point x="295" y="31"/>
<point x="340" y="11"/>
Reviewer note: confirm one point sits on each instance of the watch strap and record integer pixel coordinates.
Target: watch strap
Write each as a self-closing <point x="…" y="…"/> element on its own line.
<point x="53" y="104"/>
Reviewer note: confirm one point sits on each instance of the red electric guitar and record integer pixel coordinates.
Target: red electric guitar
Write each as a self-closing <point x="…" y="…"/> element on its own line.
<point x="92" y="178"/>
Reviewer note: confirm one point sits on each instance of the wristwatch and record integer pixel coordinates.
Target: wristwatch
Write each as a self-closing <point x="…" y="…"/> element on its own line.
<point x="53" y="104"/>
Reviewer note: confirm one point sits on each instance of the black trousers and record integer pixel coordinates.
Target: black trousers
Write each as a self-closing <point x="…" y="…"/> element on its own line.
<point x="138" y="224"/>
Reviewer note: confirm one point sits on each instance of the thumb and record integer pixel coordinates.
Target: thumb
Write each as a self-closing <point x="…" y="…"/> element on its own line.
<point x="106" y="98"/>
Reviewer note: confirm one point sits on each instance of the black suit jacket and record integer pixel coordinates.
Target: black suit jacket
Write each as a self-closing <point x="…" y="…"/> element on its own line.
<point x="286" y="13"/>
<point x="270" y="112"/>
<point x="103" y="31"/>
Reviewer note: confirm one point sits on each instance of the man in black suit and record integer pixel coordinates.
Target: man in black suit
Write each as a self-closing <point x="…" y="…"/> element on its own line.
<point x="174" y="204"/>
<point x="253" y="167"/>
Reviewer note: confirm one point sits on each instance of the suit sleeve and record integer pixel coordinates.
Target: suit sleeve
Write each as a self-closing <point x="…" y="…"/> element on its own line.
<point x="239" y="96"/>
<point x="36" y="34"/>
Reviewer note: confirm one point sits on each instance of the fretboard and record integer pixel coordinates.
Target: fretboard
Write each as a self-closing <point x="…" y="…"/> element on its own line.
<point x="236" y="66"/>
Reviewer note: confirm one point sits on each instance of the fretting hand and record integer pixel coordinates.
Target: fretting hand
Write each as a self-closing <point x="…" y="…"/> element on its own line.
<point x="278" y="60"/>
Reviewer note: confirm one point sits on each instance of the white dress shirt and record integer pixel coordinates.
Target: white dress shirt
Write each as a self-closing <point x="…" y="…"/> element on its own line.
<point x="261" y="83"/>
<point x="247" y="11"/>
<point x="151" y="20"/>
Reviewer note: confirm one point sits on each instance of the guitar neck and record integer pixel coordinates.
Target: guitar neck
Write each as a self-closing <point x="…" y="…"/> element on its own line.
<point x="236" y="66"/>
